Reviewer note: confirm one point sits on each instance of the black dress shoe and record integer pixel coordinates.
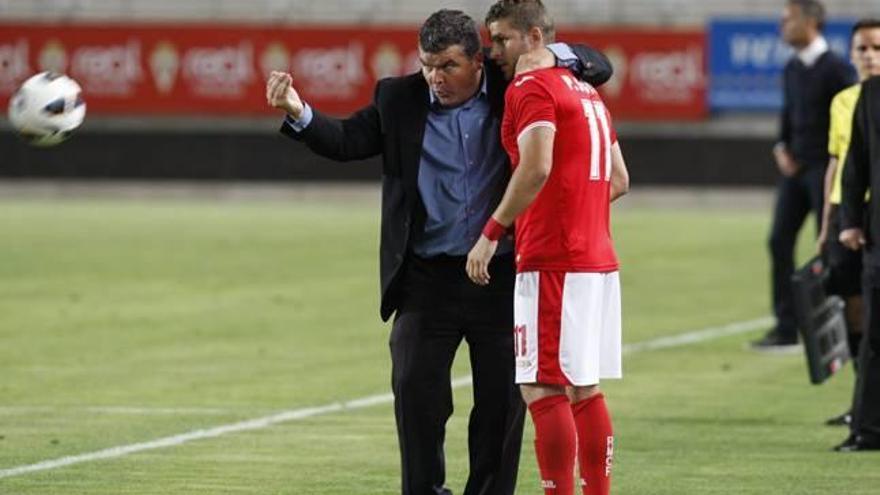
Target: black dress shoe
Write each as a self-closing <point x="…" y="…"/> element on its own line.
<point x="844" y="419"/>
<point x="856" y="443"/>
<point x="776" y="342"/>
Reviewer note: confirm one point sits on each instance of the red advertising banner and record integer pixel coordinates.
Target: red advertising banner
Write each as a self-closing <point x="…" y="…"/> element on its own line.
<point x="200" y="69"/>
<point x="658" y="75"/>
<point x="180" y="70"/>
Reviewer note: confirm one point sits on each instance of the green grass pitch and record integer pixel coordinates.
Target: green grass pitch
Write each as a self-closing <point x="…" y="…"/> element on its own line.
<point x="127" y="321"/>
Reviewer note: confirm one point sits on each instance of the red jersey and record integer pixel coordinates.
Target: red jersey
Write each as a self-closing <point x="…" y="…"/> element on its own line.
<point x="567" y="227"/>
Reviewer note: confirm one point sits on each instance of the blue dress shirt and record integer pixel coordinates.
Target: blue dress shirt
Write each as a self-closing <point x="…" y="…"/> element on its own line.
<point x="462" y="176"/>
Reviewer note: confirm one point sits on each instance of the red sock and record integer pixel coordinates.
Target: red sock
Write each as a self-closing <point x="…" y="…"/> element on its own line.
<point x="595" y="444"/>
<point x="555" y="443"/>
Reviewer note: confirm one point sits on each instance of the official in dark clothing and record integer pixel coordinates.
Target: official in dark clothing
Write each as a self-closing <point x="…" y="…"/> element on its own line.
<point x="862" y="228"/>
<point x="443" y="173"/>
<point x="811" y="80"/>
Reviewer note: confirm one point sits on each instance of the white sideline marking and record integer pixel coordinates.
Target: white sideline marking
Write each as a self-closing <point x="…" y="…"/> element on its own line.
<point x="372" y="400"/>
<point x="121" y="410"/>
<point x="698" y="336"/>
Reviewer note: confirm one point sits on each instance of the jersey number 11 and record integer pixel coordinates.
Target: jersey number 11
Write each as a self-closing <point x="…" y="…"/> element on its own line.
<point x="600" y="139"/>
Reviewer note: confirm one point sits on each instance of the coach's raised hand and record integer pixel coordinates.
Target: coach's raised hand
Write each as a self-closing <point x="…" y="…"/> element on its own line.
<point x="281" y="94"/>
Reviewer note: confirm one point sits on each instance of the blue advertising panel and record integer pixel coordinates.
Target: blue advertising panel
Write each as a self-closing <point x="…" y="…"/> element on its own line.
<point x="746" y="59"/>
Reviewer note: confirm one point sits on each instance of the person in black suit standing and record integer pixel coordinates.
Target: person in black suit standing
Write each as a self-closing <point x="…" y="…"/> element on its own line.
<point x="861" y="229"/>
<point x="811" y="80"/>
<point x="443" y="173"/>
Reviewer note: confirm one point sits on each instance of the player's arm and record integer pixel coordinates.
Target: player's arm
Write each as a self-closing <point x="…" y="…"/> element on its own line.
<point x="536" y="161"/>
<point x="856" y="177"/>
<point x="354" y="138"/>
<point x="834" y="151"/>
<point x="619" y="173"/>
<point x="830" y="172"/>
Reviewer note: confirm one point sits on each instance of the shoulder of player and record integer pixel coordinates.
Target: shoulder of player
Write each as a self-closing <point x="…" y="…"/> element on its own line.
<point x="846" y="98"/>
<point x="533" y="81"/>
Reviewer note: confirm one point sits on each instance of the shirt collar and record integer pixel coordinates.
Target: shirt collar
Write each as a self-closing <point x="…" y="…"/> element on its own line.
<point x="483" y="92"/>
<point x="811" y="53"/>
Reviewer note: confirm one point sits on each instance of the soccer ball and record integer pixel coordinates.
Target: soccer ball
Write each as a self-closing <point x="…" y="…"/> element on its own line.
<point x="47" y="109"/>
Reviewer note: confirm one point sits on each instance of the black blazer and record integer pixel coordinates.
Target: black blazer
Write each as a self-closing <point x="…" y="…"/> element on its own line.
<point x="393" y="125"/>
<point x="861" y="172"/>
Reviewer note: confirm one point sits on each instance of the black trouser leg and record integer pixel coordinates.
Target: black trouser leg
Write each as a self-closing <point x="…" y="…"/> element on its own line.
<point x="845" y="280"/>
<point x="793" y="203"/>
<point x="866" y="402"/>
<point x="854" y="341"/>
<point x="441" y="306"/>
<point x="422" y="351"/>
<point x="496" y="420"/>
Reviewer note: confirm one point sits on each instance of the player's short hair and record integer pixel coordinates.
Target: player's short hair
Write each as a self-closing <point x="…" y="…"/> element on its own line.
<point x="523" y="15"/>
<point x="446" y="28"/>
<point x="866" y="23"/>
<point x="814" y="9"/>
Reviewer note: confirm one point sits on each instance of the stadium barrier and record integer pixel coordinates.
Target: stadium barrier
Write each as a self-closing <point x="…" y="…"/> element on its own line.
<point x="268" y="156"/>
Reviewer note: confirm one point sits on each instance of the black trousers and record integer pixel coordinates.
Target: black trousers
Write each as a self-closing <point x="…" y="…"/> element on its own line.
<point x="866" y="399"/>
<point x="439" y="308"/>
<point x="795" y="198"/>
<point x="845" y="275"/>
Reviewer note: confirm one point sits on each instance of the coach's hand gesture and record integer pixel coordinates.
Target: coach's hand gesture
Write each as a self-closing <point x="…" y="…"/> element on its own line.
<point x="478" y="260"/>
<point x="280" y="94"/>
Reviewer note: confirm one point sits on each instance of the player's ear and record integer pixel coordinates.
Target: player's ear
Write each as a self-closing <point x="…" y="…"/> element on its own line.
<point x="479" y="58"/>
<point x="535" y="36"/>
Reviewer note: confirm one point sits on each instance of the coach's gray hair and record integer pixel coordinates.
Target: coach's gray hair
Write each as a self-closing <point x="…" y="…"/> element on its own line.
<point x="814" y="9"/>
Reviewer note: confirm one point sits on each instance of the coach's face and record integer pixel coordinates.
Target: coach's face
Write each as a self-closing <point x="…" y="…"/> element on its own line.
<point x="452" y="75"/>
<point x="796" y="26"/>
<point x="866" y="52"/>
<point x="508" y="44"/>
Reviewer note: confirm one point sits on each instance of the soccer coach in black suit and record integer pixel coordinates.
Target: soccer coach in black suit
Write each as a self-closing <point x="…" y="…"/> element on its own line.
<point x="861" y="224"/>
<point x="443" y="172"/>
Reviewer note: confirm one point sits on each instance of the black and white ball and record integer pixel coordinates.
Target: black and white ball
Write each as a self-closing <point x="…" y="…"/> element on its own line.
<point x="47" y="109"/>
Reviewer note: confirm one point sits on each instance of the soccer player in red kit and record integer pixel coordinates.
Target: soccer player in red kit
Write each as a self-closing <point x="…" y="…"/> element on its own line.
<point x="568" y="168"/>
